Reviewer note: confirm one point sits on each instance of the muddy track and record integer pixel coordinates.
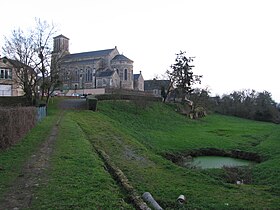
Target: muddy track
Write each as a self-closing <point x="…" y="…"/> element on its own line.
<point x="118" y="175"/>
<point x="21" y="193"/>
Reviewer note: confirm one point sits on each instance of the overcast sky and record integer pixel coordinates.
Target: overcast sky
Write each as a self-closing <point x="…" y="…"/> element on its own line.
<point x="236" y="43"/>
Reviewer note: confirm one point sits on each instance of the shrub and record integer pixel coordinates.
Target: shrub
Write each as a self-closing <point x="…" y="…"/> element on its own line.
<point x="127" y="97"/>
<point x="92" y="104"/>
<point x="9" y="101"/>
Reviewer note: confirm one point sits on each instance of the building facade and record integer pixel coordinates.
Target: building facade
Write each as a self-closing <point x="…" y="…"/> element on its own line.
<point x="91" y="70"/>
<point x="156" y="87"/>
<point x="9" y="81"/>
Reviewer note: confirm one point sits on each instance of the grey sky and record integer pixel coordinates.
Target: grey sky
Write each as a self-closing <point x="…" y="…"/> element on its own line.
<point x="236" y="42"/>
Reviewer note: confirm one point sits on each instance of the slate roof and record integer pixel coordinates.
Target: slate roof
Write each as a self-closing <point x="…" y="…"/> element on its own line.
<point x="106" y="73"/>
<point x="84" y="62"/>
<point x="98" y="53"/>
<point x="121" y="58"/>
<point x="155" y="84"/>
<point x="136" y="76"/>
<point x="16" y="64"/>
<point x="61" y="36"/>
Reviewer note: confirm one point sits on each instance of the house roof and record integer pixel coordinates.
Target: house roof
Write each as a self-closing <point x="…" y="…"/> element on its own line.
<point x="121" y="58"/>
<point x="136" y="76"/>
<point x="16" y="64"/>
<point x="155" y="84"/>
<point x="98" y="53"/>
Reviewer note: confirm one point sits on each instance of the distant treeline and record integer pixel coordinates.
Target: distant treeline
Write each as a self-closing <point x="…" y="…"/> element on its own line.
<point x="248" y="104"/>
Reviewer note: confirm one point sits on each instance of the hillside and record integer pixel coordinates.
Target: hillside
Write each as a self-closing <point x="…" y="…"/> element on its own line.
<point x="136" y="137"/>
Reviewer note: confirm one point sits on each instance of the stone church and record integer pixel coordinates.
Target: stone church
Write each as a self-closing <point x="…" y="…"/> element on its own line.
<point x="95" y="69"/>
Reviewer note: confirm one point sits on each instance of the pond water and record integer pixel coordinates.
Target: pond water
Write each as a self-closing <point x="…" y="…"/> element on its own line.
<point x="205" y="162"/>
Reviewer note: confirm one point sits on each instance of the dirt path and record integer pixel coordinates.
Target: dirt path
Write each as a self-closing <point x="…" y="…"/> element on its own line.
<point x="21" y="192"/>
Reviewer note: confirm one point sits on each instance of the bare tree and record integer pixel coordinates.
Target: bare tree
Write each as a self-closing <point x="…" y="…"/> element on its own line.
<point x="42" y="41"/>
<point x="33" y="49"/>
<point x="20" y="50"/>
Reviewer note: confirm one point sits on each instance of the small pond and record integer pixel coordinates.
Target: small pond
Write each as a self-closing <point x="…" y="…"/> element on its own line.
<point x="205" y="162"/>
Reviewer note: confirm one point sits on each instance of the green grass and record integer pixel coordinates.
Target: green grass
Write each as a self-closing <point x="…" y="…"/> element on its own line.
<point x="158" y="127"/>
<point x="78" y="178"/>
<point x="134" y="138"/>
<point x="13" y="159"/>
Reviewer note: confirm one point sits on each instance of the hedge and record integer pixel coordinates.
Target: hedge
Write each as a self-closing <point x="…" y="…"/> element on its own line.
<point x="127" y="97"/>
<point x="15" y="123"/>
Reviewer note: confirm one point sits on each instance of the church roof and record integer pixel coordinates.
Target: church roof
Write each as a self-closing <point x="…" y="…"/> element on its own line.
<point x="98" y="53"/>
<point x="122" y="57"/>
<point x="106" y="73"/>
<point x="83" y="62"/>
<point x="61" y="36"/>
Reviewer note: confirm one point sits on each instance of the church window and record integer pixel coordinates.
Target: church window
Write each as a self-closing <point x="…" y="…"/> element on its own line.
<point x="86" y="79"/>
<point x="104" y="82"/>
<point x="99" y="83"/>
<point x="125" y="74"/>
<point x="76" y="77"/>
<point x="88" y="75"/>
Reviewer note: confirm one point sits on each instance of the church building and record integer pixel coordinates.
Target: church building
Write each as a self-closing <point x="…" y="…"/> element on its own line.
<point x="95" y="69"/>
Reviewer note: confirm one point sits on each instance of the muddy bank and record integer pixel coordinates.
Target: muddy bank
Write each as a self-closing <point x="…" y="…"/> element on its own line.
<point x="178" y="158"/>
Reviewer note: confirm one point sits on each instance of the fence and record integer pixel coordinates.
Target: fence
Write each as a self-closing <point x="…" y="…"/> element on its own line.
<point x="41" y="113"/>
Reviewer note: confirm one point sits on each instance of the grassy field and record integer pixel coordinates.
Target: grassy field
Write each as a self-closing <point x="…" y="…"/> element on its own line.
<point x="78" y="178"/>
<point x="136" y="137"/>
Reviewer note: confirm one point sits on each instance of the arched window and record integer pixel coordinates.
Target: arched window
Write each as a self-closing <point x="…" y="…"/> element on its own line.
<point x="76" y="78"/>
<point x="125" y="74"/>
<point x="88" y="75"/>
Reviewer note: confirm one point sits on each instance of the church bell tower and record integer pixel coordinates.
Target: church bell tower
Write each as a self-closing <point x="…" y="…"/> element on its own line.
<point x="61" y="44"/>
<point x="60" y="49"/>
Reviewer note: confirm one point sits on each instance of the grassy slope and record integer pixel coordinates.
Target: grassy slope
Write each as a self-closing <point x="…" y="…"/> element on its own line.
<point x="12" y="159"/>
<point x="161" y="129"/>
<point x="78" y="179"/>
<point x="135" y="137"/>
